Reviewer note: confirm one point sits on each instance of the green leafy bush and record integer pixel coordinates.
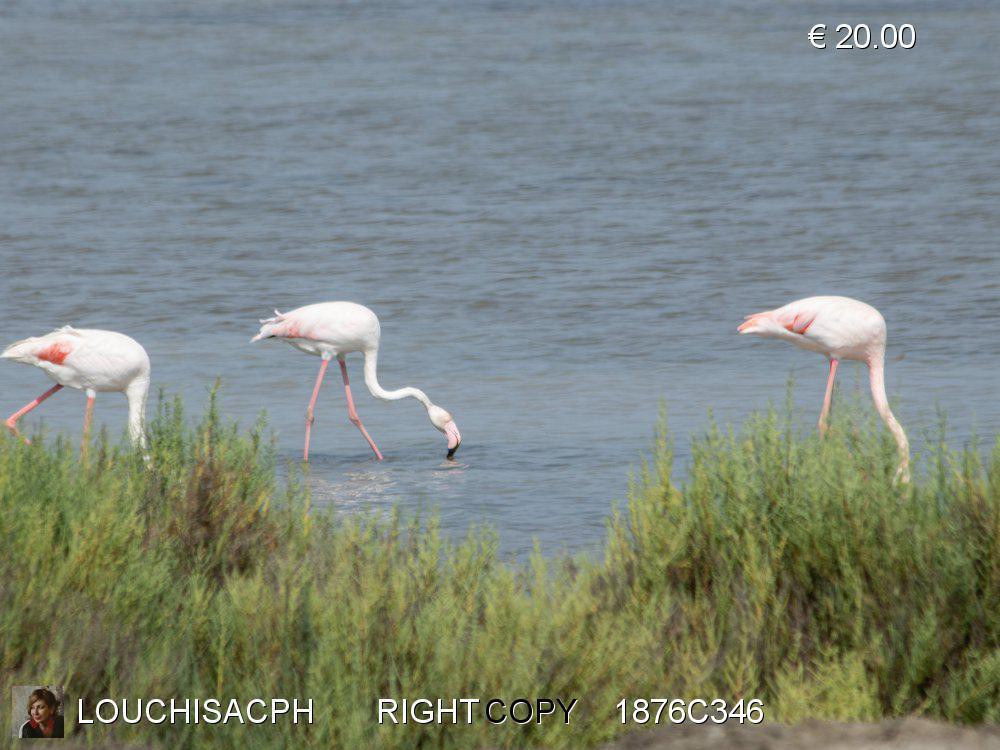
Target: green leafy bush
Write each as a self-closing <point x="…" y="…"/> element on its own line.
<point x="785" y="567"/>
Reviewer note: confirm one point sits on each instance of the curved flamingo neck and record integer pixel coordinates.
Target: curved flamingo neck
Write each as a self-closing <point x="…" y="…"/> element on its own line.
<point x="371" y="380"/>
<point x="136" y="394"/>
<point x="876" y="372"/>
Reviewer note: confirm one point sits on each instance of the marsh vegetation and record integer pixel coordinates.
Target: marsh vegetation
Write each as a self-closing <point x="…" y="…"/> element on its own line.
<point x="783" y="567"/>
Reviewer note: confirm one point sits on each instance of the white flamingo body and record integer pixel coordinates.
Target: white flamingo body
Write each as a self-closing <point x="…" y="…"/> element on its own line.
<point x="334" y="329"/>
<point x="838" y="328"/>
<point x="91" y="360"/>
<point x="325" y="329"/>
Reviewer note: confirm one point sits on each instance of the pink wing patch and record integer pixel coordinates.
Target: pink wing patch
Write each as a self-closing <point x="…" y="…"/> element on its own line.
<point x="800" y="323"/>
<point x="291" y="329"/>
<point x="55" y="353"/>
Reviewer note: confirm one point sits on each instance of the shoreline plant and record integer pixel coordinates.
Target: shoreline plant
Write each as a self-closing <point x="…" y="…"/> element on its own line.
<point x="784" y="567"/>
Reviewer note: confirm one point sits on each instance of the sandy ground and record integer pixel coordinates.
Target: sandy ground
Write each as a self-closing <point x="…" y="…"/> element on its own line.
<point x="912" y="734"/>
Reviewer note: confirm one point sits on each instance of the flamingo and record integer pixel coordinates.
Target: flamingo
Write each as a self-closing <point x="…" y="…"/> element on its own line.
<point x="839" y="328"/>
<point x="90" y="360"/>
<point x="333" y="329"/>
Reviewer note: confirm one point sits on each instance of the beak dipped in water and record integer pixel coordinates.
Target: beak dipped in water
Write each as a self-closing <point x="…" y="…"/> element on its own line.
<point x="454" y="437"/>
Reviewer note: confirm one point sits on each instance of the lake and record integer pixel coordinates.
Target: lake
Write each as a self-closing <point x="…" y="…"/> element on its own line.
<point x="560" y="212"/>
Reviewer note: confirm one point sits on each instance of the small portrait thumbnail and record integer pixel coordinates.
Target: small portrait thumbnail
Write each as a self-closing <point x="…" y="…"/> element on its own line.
<point x="37" y="712"/>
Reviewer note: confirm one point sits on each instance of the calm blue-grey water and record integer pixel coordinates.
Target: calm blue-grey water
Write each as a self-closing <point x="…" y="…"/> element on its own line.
<point x="559" y="210"/>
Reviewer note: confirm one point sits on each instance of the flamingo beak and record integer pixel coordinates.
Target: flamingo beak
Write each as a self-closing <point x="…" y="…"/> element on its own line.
<point x="454" y="437"/>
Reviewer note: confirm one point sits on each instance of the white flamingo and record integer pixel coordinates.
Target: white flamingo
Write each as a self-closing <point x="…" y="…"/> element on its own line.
<point x="838" y="328"/>
<point x="90" y="360"/>
<point x="333" y="329"/>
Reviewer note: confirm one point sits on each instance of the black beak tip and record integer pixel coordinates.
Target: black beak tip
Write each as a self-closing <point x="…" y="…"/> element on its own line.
<point x="451" y="452"/>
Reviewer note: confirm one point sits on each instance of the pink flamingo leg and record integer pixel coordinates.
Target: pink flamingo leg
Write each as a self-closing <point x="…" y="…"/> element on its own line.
<point x="827" y="400"/>
<point x="12" y="419"/>
<point x="86" y="426"/>
<point x="312" y="406"/>
<point x="352" y="414"/>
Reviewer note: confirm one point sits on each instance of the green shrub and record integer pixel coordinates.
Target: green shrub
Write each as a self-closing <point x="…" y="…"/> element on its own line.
<point x="784" y="567"/>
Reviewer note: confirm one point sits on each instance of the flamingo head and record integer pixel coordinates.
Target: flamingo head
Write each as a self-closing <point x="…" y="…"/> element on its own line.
<point x="442" y="420"/>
